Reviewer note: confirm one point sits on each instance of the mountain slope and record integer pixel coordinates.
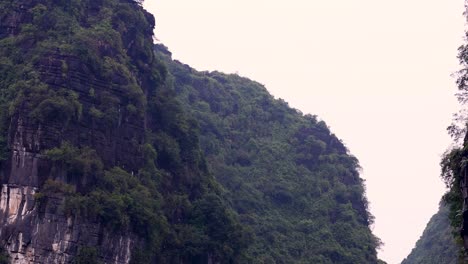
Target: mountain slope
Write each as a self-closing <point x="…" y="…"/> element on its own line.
<point x="291" y="181"/>
<point x="437" y="243"/>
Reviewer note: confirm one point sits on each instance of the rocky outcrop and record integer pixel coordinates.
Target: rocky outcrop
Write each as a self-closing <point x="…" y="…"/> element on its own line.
<point x="41" y="233"/>
<point x="35" y="236"/>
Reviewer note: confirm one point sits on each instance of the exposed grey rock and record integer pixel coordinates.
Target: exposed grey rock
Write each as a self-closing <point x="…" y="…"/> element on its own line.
<point x="41" y="233"/>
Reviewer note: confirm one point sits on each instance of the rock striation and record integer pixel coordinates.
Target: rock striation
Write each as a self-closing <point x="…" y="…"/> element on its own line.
<point x="39" y="232"/>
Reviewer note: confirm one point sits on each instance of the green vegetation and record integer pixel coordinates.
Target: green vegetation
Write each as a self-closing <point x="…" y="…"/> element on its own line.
<point x="291" y="181"/>
<point x="221" y="172"/>
<point x="453" y="164"/>
<point x="113" y="196"/>
<point x="437" y="243"/>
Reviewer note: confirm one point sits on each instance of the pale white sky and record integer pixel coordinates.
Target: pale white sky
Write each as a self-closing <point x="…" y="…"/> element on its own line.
<point x="378" y="72"/>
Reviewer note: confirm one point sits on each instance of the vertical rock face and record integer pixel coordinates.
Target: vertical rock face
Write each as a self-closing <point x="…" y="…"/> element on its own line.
<point x="33" y="236"/>
<point x="43" y="234"/>
<point x="33" y="232"/>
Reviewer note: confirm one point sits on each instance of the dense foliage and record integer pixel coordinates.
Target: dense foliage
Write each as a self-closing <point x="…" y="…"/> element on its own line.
<point x="291" y="181"/>
<point x="454" y="162"/>
<point x="437" y="243"/>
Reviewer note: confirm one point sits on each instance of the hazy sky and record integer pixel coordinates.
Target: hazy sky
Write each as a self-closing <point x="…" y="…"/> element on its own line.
<point x="377" y="72"/>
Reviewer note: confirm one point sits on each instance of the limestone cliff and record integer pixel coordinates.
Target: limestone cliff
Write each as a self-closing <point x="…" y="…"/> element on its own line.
<point x="97" y="161"/>
<point x="34" y="233"/>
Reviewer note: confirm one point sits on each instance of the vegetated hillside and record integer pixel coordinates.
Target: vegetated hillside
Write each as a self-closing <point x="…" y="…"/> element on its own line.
<point x="437" y="243"/>
<point x="454" y="162"/>
<point x="99" y="163"/>
<point x="291" y="180"/>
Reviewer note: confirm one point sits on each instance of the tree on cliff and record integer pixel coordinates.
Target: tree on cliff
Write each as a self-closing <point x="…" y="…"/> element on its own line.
<point x="454" y="163"/>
